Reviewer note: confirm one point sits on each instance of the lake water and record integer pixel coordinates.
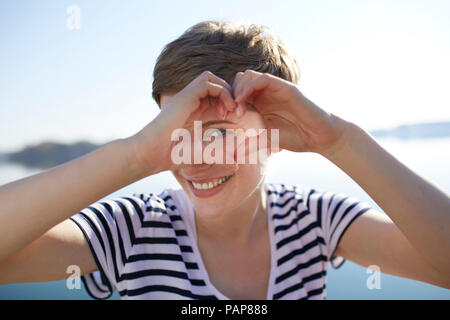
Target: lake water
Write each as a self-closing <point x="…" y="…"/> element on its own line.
<point x="429" y="158"/>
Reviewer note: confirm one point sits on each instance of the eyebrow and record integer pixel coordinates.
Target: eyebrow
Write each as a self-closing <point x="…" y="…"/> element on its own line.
<point x="213" y="122"/>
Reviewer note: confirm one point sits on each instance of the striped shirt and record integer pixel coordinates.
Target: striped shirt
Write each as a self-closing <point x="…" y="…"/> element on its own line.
<point x="145" y="245"/>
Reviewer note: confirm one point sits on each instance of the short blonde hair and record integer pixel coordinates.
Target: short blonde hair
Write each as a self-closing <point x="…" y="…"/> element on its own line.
<point x="224" y="48"/>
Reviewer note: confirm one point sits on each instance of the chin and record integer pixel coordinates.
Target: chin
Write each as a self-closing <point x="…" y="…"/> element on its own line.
<point x="209" y="211"/>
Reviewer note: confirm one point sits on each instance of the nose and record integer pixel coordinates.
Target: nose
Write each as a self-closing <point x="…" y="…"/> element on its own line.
<point x="191" y="170"/>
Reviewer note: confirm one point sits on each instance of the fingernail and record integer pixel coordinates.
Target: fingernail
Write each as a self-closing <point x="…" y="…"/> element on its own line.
<point x="238" y="110"/>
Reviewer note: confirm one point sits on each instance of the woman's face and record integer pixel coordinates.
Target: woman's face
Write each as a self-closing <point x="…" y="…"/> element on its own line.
<point x="218" y="188"/>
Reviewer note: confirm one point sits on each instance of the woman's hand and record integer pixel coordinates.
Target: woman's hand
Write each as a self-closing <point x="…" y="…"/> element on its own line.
<point x="153" y="143"/>
<point x="304" y="127"/>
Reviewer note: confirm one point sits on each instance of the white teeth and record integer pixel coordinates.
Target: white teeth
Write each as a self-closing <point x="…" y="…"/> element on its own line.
<point x="209" y="185"/>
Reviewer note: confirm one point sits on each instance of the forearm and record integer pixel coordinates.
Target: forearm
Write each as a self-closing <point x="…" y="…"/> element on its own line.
<point x="33" y="205"/>
<point x="419" y="209"/>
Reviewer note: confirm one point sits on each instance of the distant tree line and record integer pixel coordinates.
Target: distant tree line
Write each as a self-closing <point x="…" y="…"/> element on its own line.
<point x="49" y="154"/>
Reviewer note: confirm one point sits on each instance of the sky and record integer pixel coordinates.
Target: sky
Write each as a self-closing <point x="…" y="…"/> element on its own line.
<point x="376" y="63"/>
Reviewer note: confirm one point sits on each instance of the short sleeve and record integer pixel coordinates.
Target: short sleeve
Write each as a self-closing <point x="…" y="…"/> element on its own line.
<point x="109" y="227"/>
<point x="335" y="212"/>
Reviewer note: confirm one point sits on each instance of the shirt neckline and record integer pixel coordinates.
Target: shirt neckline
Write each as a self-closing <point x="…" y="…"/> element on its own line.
<point x="197" y="254"/>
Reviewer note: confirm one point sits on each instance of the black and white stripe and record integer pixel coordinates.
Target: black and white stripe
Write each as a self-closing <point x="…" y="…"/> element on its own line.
<point x="145" y="247"/>
<point x="308" y="225"/>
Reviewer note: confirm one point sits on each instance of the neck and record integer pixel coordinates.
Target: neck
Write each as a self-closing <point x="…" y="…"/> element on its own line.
<point x="238" y="226"/>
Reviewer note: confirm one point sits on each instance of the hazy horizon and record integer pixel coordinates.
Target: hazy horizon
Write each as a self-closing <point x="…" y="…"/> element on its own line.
<point x="75" y="140"/>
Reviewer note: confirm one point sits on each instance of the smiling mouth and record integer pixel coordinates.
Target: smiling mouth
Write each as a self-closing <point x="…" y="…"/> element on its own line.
<point x="209" y="184"/>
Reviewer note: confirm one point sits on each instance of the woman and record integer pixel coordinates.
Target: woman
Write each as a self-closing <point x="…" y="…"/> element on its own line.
<point x="225" y="233"/>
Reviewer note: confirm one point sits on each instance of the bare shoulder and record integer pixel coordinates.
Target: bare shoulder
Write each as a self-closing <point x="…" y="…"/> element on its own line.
<point x="374" y="239"/>
<point x="49" y="257"/>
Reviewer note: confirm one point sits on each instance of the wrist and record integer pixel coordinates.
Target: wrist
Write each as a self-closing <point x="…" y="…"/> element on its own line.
<point x="145" y="153"/>
<point x="131" y="149"/>
<point x="348" y="133"/>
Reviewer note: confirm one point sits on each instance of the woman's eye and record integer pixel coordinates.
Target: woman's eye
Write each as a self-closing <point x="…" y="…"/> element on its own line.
<point x="219" y="132"/>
